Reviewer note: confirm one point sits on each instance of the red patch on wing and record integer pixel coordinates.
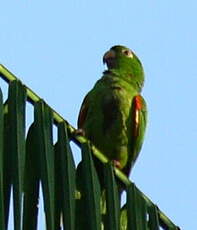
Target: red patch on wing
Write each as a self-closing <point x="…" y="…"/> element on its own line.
<point x="138" y="102"/>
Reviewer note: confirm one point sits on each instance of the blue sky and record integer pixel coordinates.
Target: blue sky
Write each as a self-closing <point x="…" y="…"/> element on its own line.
<point x="56" y="48"/>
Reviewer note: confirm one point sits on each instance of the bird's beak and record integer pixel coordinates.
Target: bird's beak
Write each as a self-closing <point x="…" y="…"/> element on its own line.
<point x="108" y="55"/>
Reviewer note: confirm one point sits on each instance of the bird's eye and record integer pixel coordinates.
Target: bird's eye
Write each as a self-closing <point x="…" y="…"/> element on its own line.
<point x="128" y="53"/>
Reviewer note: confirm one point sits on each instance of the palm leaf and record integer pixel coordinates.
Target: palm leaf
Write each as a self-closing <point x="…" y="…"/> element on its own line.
<point x="2" y="213"/>
<point x="73" y="197"/>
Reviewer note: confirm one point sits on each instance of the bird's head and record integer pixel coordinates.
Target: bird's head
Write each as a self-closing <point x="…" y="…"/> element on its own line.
<point x="122" y="60"/>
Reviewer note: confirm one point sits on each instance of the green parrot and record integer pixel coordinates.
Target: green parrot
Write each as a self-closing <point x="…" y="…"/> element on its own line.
<point x="113" y="114"/>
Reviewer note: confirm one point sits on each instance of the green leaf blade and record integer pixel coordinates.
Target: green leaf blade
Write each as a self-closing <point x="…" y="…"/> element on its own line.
<point x="112" y="199"/>
<point x="43" y="126"/>
<point x="88" y="184"/>
<point x="16" y="119"/>
<point x="31" y="181"/>
<point x="65" y="178"/>
<point x="153" y="218"/>
<point x="2" y="214"/>
<point x="136" y="209"/>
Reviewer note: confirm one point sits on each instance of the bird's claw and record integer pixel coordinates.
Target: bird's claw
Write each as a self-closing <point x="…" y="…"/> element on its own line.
<point x="79" y="132"/>
<point x="116" y="163"/>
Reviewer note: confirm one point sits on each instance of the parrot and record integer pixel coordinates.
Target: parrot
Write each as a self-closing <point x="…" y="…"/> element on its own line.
<point x="113" y="115"/>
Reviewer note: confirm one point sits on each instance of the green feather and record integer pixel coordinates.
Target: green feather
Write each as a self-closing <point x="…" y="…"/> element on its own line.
<point x="110" y="119"/>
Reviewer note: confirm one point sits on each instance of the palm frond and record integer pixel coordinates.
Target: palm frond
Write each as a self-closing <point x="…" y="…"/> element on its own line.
<point x="73" y="198"/>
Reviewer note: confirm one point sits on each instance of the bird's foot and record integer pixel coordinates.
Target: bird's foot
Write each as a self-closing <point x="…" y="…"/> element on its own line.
<point x="79" y="132"/>
<point x="116" y="163"/>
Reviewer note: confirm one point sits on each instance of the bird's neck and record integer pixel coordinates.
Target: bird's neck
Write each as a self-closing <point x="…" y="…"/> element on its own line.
<point x="124" y="75"/>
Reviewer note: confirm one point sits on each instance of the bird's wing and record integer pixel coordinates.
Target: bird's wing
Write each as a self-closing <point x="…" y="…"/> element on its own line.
<point x="83" y="113"/>
<point x="138" y="119"/>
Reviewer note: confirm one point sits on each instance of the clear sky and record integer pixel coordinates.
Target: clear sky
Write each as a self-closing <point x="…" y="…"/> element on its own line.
<point x="56" y="48"/>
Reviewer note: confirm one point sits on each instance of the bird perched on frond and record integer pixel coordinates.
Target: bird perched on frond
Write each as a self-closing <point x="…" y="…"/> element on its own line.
<point x="113" y="115"/>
